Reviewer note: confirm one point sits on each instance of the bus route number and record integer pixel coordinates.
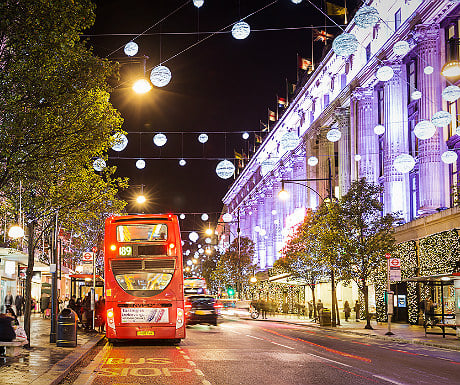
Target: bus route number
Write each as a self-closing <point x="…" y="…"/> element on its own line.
<point x="125" y="251"/>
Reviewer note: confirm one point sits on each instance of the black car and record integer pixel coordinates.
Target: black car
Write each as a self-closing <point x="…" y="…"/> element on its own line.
<point x="201" y="309"/>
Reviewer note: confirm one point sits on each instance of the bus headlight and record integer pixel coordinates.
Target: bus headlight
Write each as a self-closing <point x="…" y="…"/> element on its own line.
<point x="180" y="318"/>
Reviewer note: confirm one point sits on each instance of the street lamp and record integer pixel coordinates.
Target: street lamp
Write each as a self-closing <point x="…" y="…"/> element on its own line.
<point x="141" y="86"/>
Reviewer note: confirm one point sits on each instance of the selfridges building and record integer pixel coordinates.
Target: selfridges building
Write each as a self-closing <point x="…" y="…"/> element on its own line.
<point x="378" y="107"/>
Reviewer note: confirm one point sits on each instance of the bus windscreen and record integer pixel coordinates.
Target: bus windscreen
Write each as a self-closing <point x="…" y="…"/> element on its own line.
<point x="142" y="232"/>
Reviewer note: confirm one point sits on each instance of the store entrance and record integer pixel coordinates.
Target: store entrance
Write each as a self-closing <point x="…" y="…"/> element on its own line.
<point x="400" y="302"/>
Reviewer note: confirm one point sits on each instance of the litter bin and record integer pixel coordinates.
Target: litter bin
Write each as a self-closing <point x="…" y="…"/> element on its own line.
<point x="325" y="317"/>
<point x="66" y="328"/>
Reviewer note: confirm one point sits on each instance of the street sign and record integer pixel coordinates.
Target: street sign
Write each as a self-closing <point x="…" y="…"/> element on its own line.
<point x="87" y="262"/>
<point x="387" y="255"/>
<point x="94" y="249"/>
<point x="394" y="265"/>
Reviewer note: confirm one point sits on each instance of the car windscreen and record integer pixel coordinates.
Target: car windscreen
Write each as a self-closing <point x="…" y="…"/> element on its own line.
<point x="201" y="302"/>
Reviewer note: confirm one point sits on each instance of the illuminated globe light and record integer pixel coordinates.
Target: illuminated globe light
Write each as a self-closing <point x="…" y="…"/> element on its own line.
<point x="441" y="119"/>
<point x="187" y="252"/>
<point x="404" y="163"/>
<point x="289" y="141"/>
<point x="268" y="165"/>
<point x="257" y="229"/>
<point x="416" y="95"/>
<point x="198" y="3"/>
<point x="160" y="76"/>
<point x="227" y="217"/>
<point x="366" y="17"/>
<point x="274" y="212"/>
<point x="428" y="70"/>
<point x="424" y="129"/>
<point x="245" y="135"/>
<point x="189" y="262"/>
<point x="16" y="232"/>
<point x="200" y="250"/>
<point x="208" y="240"/>
<point x="225" y="169"/>
<point x="385" y="73"/>
<point x="379" y="129"/>
<point x="296" y="1"/>
<point x="193" y="236"/>
<point x="345" y="44"/>
<point x="203" y="138"/>
<point x="142" y="86"/>
<point x="204" y="217"/>
<point x="262" y="232"/>
<point x="401" y="48"/>
<point x="160" y="140"/>
<point x="276" y="222"/>
<point x="357" y="157"/>
<point x="241" y="30"/>
<point x="182" y="216"/>
<point x="451" y="93"/>
<point x="99" y="164"/>
<point x="131" y="48"/>
<point x="333" y="135"/>
<point x="312" y="161"/>
<point x="449" y="157"/>
<point x="140" y="164"/>
<point x="182" y="162"/>
<point x="120" y="141"/>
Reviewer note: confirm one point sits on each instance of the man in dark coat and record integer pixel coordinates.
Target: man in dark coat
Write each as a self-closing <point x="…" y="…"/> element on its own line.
<point x="8" y="300"/>
<point x="19" y="303"/>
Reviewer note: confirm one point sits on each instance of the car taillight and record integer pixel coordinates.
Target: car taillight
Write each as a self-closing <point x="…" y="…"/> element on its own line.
<point x="180" y="318"/>
<point x="188" y="306"/>
<point x="218" y="305"/>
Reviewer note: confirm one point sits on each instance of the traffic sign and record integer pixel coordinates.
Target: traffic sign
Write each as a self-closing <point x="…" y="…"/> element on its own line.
<point x="94" y="249"/>
<point x="394" y="266"/>
<point x="87" y="257"/>
<point x="387" y="255"/>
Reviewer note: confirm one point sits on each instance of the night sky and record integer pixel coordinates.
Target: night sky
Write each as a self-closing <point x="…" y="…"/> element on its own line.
<point x="221" y="85"/>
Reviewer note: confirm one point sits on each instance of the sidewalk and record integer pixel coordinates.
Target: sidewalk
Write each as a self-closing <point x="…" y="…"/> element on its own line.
<point x="414" y="334"/>
<point x="44" y="363"/>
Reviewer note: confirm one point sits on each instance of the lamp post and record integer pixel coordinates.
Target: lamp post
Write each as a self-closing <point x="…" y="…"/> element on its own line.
<point x="283" y="194"/>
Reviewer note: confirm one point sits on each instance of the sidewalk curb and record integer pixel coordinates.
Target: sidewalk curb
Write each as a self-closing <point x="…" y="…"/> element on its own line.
<point x="62" y="368"/>
<point x="376" y="336"/>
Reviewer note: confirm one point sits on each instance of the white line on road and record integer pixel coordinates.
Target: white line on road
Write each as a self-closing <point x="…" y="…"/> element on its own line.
<point x="327" y="359"/>
<point x="257" y="338"/>
<point x="199" y="372"/>
<point x="186" y="357"/>
<point x="284" y="346"/>
<point x="389" y="380"/>
<point x="206" y="382"/>
<point x="191" y="363"/>
<point x="235" y="332"/>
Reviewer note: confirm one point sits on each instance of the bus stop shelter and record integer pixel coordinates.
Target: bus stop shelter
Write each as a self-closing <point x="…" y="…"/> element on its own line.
<point x="81" y="284"/>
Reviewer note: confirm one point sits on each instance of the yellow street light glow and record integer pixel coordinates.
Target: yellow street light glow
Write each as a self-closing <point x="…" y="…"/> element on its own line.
<point x="195" y="261"/>
<point x="208" y="251"/>
<point x="283" y="195"/>
<point x="16" y="232"/>
<point x="142" y="86"/>
<point x="187" y="268"/>
<point x="140" y="199"/>
<point x="253" y="279"/>
<point x="451" y="69"/>
<point x="208" y="232"/>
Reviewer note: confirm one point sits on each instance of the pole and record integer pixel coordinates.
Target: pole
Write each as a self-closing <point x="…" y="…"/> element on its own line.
<point x="333" y="312"/>
<point x="53" y="270"/>
<point x="238" y="230"/>
<point x="389" y="298"/>
<point x="93" y="296"/>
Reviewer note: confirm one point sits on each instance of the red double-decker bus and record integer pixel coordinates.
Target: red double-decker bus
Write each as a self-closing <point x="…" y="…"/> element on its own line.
<point x="144" y="284"/>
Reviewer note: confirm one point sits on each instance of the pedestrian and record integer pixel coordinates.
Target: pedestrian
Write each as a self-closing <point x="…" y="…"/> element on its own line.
<point x="319" y="307"/>
<point x="12" y="314"/>
<point x="346" y="310"/>
<point x="19" y="304"/>
<point x="263" y="309"/>
<point x="44" y="303"/>
<point x="8" y="300"/>
<point x="88" y="313"/>
<point x="100" y="314"/>
<point x="7" y="333"/>
<point x="310" y="309"/>
<point x="356" y="310"/>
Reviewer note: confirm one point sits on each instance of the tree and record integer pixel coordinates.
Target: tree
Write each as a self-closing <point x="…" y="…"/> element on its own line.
<point x="301" y="258"/>
<point x="235" y="266"/>
<point x="369" y="235"/>
<point x="208" y="267"/>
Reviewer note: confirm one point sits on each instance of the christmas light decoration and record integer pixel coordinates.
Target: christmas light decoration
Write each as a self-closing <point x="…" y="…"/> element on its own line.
<point x="245" y="135"/>
<point x="451" y="93"/>
<point x="416" y="95"/>
<point x="268" y="165"/>
<point x="404" y="163"/>
<point x="204" y="217"/>
<point x="424" y="129"/>
<point x="16" y="232"/>
<point x="182" y="216"/>
<point x="198" y="3"/>
<point x="296" y="1"/>
<point x="225" y="169"/>
<point x="379" y="129"/>
<point x="241" y="30"/>
<point x="182" y="162"/>
<point x="160" y="76"/>
<point x="441" y="118"/>
<point x="385" y="73"/>
<point x="193" y="236"/>
<point x="131" y="48"/>
<point x="289" y="141"/>
<point x="99" y="164"/>
<point x="120" y="141"/>
<point x="274" y="212"/>
<point x="357" y="157"/>
<point x="428" y="70"/>
<point x="140" y="164"/>
<point x="160" y="140"/>
<point x="366" y="17"/>
<point x="333" y="135"/>
<point x="449" y="157"/>
<point x="203" y="138"/>
<point x="312" y="161"/>
<point x="227" y="217"/>
<point x="401" y="48"/>
<point x="345" y="44"/>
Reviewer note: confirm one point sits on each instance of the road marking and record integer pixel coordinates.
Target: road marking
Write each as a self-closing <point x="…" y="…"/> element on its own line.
<point x="361" y="343"/>
<point x="256" y="338"/>
<point x="206" y="382"/>
<point x="191" y="363"/>
<point x="186" y="357"/>
<point x="199" y="372"/>
<point x="389" y="380"/>
<point x="182" y="352"/>
<point x="284" y="346"/>
<point x="327" y="359"/>
<point x="235" y="332"/>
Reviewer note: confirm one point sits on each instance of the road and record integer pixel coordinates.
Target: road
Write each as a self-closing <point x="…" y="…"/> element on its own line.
<point x="266" y="352"/>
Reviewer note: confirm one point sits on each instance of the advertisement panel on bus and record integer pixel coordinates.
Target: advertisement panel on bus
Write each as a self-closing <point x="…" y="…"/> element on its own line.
<point x="144" y="277"/>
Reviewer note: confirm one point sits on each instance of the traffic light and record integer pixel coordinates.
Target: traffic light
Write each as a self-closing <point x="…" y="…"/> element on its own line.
<point x="230" y="291"/>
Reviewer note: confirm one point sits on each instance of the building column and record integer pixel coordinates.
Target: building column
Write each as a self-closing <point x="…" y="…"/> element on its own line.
<point x="367" y="140"/>
<point x="396" y="184"/>
<point x="342" y="117"/>
<point x="431" y="168"/>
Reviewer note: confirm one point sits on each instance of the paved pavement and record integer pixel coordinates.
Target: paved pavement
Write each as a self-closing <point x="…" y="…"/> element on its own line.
<point x="45" y="364"/>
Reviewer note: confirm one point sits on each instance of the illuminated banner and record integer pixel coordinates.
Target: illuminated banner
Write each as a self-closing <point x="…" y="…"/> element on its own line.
<point x="144" y="315"/>
<point x="292" y="222"/>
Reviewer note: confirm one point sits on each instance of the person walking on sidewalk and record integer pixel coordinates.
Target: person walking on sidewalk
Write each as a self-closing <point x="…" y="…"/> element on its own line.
<point x="346" y="310"/>
<point x="310" y="309"/>
<point x="319" y="307"/>
<point x="356" y="310"/>
<point x="19" y="304"/>
<point x="8" y="300"/>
